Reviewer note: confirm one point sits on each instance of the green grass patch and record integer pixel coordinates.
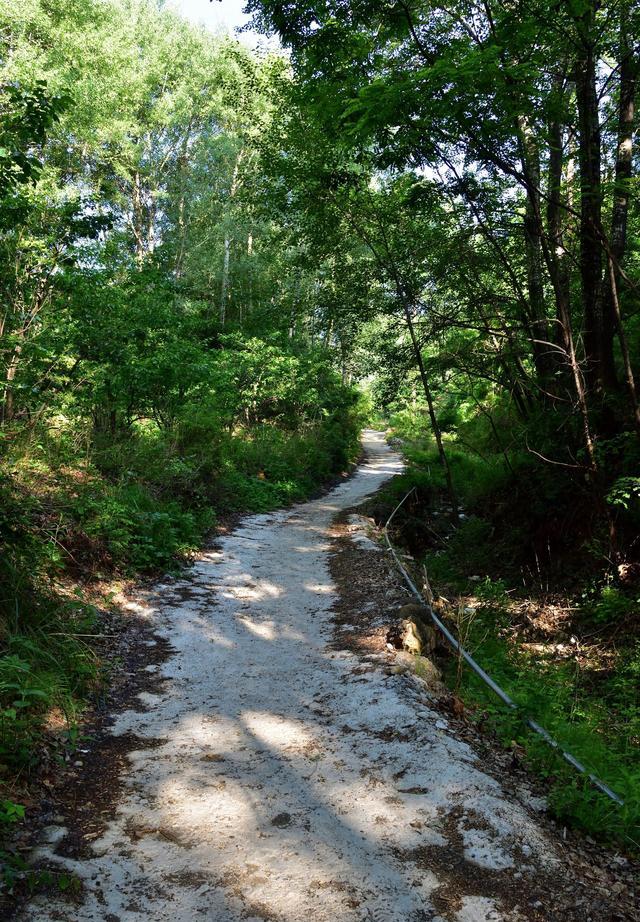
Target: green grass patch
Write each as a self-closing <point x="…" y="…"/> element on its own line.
<point x="595" y="718"/>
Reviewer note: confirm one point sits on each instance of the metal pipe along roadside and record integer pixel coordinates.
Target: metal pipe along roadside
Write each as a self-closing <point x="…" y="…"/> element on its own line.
<point x="486" y="678"/>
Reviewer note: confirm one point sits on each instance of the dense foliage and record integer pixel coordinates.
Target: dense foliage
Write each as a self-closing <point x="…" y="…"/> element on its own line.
<point x="474" y="163"/>
<point x="204" y="251"/>
<point x="162" y="357"/>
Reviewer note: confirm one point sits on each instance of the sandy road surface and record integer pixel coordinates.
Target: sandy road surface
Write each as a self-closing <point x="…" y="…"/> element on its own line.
<point x="285" y="780"/>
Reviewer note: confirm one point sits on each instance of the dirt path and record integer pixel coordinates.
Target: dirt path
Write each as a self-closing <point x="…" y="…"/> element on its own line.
<point x="285" y="780"/>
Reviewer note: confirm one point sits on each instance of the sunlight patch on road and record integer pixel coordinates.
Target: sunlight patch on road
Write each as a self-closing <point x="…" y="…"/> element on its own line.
<point x="275" y="731"/>
<point x="255" y="593"/>
<point x="265" y="629"/>
<point x="321" y="588"/>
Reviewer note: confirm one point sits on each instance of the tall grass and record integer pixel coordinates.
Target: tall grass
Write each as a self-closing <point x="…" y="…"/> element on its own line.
<point x="597" y="721"/>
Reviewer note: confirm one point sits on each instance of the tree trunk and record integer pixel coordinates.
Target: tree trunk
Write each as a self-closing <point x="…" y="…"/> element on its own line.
<point x="620" y="211"/>
<point x="7" y="397"/>
<point x="250" y="272"/>
<point x="444" y="461"/>
<point x="530" y="157"/>
<point x="624" y="154"/>
<point x="224" y="292"/>
<point x="138" y="217"/>
<point x="626" y="358"/>
<point x="558" y="261"/>
<point x="598" y="322"/>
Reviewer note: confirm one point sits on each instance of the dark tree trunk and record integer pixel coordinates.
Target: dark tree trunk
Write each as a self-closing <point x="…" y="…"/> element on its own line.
<point x="599" y="324"/>
<point x="558" y="257"/>
<point x="539" y="326"/>
<point x="444" y="461"/>
<point x="619" y="218"/>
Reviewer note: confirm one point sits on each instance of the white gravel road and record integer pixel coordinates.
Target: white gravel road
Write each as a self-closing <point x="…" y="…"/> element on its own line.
<point x="288" y="781"/>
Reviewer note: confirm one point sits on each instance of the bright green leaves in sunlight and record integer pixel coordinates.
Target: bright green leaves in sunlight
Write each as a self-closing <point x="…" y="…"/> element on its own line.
<point x="169" y="347"/>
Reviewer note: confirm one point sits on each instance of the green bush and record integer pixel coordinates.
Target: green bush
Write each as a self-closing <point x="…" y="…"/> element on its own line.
<point x="599" y="724"/>
<point x="140" y="531"/>
<point x="533" y="522"/>
<point x="613" y="605"/>
<point x="468" y="552"/>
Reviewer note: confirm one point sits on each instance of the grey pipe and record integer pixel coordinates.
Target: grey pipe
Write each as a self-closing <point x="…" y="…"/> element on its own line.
<point x="495" y="688"/>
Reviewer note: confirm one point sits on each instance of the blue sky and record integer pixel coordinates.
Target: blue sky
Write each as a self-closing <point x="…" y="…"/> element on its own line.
<point x="216" y="15"/>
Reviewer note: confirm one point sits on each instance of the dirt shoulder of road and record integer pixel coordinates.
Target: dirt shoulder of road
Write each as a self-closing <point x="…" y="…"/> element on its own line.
<point x="77" y="787"/>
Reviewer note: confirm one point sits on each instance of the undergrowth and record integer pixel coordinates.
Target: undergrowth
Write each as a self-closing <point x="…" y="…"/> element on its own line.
<point x="594" y="717"/>
<point x="528" y="543"/>
<point x="139" y="501"/>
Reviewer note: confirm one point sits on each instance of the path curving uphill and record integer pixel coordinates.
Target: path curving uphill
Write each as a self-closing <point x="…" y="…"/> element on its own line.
<point x="285" y="780"/>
